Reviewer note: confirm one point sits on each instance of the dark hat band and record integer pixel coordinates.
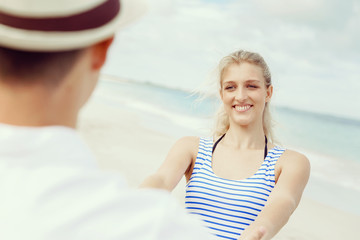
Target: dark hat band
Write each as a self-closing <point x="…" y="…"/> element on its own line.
<point x="91" y="19"/>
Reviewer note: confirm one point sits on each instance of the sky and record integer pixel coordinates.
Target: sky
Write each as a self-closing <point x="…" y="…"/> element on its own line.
<point x="311" y="46"/>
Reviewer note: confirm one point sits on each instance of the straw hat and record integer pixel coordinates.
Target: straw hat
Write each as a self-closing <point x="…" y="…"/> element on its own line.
<point x="55" y="25"/>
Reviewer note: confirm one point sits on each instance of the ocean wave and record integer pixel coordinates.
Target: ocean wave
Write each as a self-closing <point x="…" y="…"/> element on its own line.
<point x="282" y="107"/>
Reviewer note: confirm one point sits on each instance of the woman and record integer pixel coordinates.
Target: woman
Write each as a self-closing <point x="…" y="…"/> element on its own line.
<point x="240" y="184"/>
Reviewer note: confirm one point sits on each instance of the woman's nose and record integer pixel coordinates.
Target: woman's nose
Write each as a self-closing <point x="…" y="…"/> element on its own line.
<point x="240" y="94"/>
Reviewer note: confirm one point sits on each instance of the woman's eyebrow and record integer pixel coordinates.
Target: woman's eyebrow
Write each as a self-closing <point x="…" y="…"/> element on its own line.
<point x="253" y="80"/>
<point x="228" y="82"/>
<point x="246" y="81"/>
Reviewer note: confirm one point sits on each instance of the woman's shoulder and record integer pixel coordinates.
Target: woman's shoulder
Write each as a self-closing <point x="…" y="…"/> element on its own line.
<point x="187" y="143"/>
<point x="188" y="140"/>
<point x="191" y="140"/>
<point x="294" y="159"/>
<point x="192" y="143"/>
<point x="294" y="154"/>
<point x="291" y="164"/>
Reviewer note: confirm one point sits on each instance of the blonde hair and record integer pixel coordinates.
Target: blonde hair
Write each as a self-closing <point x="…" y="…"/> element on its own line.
<point x="238" y="57"/>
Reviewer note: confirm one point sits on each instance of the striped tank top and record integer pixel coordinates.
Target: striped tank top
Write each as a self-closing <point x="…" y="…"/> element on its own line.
<point x="226" y="206"/>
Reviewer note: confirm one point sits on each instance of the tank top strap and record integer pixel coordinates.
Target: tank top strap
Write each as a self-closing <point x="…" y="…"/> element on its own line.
<point x="272" y="157"/>
<point x="204" y="153"/>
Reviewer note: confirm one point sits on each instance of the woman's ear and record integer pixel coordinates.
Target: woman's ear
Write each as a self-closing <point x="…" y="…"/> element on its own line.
<point x="269" y="92"/>
<point x="99" y="53"/>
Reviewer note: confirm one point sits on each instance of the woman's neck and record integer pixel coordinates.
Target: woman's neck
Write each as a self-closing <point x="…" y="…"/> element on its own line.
<point x="249" y="137"/>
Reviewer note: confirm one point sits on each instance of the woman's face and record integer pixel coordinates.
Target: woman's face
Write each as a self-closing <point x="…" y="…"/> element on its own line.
<point x="244" y="93"/>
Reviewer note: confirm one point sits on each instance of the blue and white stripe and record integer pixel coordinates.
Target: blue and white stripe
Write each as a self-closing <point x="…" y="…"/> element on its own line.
<point x="228" y="206"/>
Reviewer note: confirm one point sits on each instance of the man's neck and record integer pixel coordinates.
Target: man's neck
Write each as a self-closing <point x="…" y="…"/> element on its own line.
<point x="34" y="106"/>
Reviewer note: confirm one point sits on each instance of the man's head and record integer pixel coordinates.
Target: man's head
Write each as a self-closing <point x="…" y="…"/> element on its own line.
<point x="52" y="45"/>
<point x="28" y="68"/>
<point x="53" y="25"/>
<point x="43" y="38"/>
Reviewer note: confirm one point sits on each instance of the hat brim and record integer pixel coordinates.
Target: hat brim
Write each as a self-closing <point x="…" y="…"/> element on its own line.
<point x="30" y="40"/>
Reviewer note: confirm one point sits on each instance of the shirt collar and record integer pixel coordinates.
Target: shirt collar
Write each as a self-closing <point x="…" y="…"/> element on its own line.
<point x="44" y="146"/>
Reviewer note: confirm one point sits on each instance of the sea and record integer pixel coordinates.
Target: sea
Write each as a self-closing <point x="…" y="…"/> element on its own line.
<point x="331" y="143"/>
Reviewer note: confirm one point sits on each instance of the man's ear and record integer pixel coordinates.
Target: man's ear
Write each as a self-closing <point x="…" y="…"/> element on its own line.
<point x="99" y="53"/>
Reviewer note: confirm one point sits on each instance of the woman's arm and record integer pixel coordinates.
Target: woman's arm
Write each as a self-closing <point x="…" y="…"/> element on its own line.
<point x="285" y="197"/>
<point x="178" y="161"/>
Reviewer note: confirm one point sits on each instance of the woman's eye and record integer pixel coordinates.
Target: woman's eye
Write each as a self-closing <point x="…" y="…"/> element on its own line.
<point x="252" y="86"/>
<point x="229" y="87"/>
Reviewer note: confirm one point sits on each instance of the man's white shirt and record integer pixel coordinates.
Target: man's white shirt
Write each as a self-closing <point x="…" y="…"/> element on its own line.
<point x="51" y="188"/>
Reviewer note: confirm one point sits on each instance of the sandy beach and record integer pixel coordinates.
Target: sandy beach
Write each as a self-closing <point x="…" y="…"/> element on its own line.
<point x="122" y="143"/>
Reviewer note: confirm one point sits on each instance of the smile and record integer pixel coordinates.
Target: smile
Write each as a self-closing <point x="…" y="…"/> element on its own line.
<point x="243" y="108"/>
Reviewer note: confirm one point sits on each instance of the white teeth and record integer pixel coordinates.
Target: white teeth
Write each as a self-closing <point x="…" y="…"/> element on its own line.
<point x="242" y="108"/>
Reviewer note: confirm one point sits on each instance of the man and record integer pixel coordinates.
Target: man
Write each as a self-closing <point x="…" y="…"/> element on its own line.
<point x="51" y="53"/>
